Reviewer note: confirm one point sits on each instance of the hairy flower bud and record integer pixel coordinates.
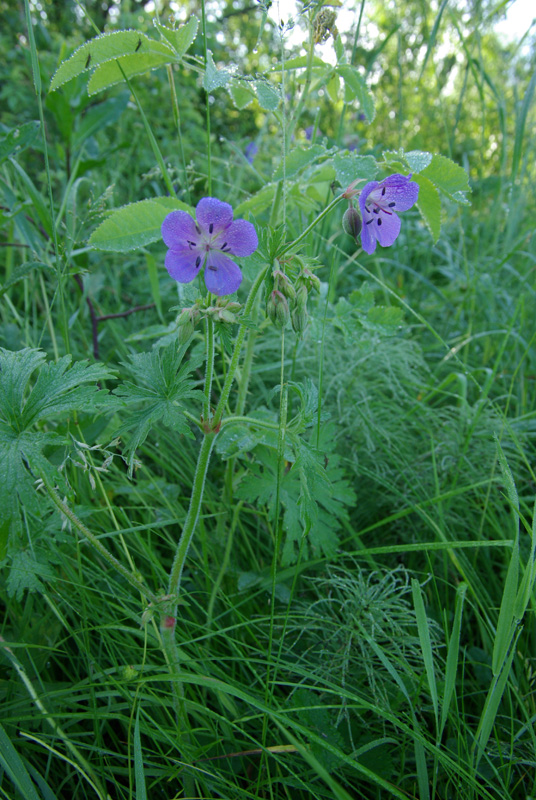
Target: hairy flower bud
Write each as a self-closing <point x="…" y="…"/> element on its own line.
<point x="277" y="308"/>
<point x="351" y="222"/>
<point x="301" y="298"/>
<point x="283" y="284"/>
<point x="186" y="324"/>
<point x="299" y="319"/>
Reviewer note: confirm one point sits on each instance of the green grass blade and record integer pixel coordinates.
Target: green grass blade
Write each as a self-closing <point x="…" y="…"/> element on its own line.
<point x="11" y="762"/>
<point x="506" y="622"/>
<point x="426" y="644"/>
<point x="452" y="656"/>
<point x="139" y="773"/>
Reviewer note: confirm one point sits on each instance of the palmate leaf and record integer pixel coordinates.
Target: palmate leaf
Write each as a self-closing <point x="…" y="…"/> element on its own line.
<point x="314" y="500"/>
<point x="162" y="385"/>
<point x="59" y="387"/>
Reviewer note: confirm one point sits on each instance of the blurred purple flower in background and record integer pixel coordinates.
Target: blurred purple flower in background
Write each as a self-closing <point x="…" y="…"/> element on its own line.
<point x="207" y="243"/>
<point x="250" y="151"/>
<point x="378" y="203"/>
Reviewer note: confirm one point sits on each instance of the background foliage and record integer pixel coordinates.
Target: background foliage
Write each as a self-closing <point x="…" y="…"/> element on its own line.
<point x="388" y="652"/>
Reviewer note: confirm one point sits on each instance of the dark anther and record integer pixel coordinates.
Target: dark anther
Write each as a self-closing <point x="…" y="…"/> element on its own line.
<point x="392" y="205"/>
<point x="197" y="261"/>
<point x="214" y="269"/>
<point x="198" y="229"/>
<point x="224" y="245"/>
<point x="368" y="223"/>
<point x="375" y="210"/>
<point x="211" y="227"/>
<point x="383" y="191"/>
<point x="379" y="221"/>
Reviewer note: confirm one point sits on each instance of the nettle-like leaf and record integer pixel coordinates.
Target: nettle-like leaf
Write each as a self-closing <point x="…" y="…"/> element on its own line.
<point x="356" y="89"/>
<point x="313" y="492"/>
<point x="162" y="385"/>
<point x="59" y="388"/>
<point x="135" y="225"/>
<point x="135" y="51"/>
<point x="437" y="176"/>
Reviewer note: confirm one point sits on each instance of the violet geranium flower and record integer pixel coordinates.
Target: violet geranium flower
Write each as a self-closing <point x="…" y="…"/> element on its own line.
<point x="207" y="242"/>
<point x="379" y="203"/>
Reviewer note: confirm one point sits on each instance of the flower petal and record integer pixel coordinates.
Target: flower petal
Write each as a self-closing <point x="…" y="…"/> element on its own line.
<point x="368" y="239"/>
<point x="386" y="228"/>
<point x="222" y="276"/>
<point x="400" y="190"/>
<point x="178" y="228"/>
<point x="183" y="265"/>
<point x="363" y="197"/>
<point x="213" y="215"/>
<point x="239" y="239"/>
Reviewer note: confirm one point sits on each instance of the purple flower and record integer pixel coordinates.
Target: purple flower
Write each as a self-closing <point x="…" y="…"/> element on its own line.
<point x="207" y="243"/>
<point x="251" y="151"/>
<point x="379" y="203"/>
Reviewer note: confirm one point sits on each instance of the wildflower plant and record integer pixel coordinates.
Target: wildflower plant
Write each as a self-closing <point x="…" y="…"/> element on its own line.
<point x="277" y="458"/>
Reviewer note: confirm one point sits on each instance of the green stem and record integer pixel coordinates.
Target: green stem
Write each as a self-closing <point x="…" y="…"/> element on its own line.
<point x="207" y="100"/>
<point x="38" y="92"/>
<point x="71" y="516"/>
<point x="209" y="368"/>
<point x="313" y="224"/>
<point x="260" y="423"/>
<point x="246" y="373"/>
<point x="218" y="414"/>
<point x="177" y="120"/>
<point x="191" y="518"/>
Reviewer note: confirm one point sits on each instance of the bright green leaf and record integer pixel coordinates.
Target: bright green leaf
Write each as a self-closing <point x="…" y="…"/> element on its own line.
<point x="447" y="176"/>
<point x="418" y="160"/>
<point x="356" y="89"/>
<point x="267" y="95"/>
<point x="298" y="159"/>
<point x="180" y="38"/>
<point x="429" y="204"/>
<point x="134" y="225"/>
<point x="115" y="71"/>
<point x="352" y="167"/>
<point x="241" y="93"/>
<point x="108" y="47"/>
<point x="214" y="78"/>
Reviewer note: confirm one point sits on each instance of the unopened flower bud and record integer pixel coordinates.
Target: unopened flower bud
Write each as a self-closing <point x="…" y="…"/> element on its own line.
<point x="299" y="319"/>
<point x="277" y="309"/>
<point x="186" y="324"/>
<point x="301" y="298"/>
<point x="283" y="284"/>
<point x="351" y="222"/>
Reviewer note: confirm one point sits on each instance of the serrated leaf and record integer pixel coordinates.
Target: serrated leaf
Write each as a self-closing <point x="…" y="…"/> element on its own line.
<point x="180" y="38"/>
<point x="333" y="87"/>
<point x="267" y="95"/>
<point x="298" y="159"/>
<point x="16" y="140"/>
<point x="107" y="47"/>
<point x="447" y="176"/>
<point x="300" y="62"/>
<point x="21" y="272"/>
<point x="241" y="94"/>
<point x="258" y="202"/>
<point x="352" y="167"/>
<point x="214" y="78"/>
<point x="26" y="574"/>
<point x="356" y="89"/>
<point x="429" y="205"/>
<point x="114" y="72"/>
<point x="135" y="225"/>
<point x="418" y="160"/>
<point x="162" y="387"/>
<point x="59" y="388"/>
